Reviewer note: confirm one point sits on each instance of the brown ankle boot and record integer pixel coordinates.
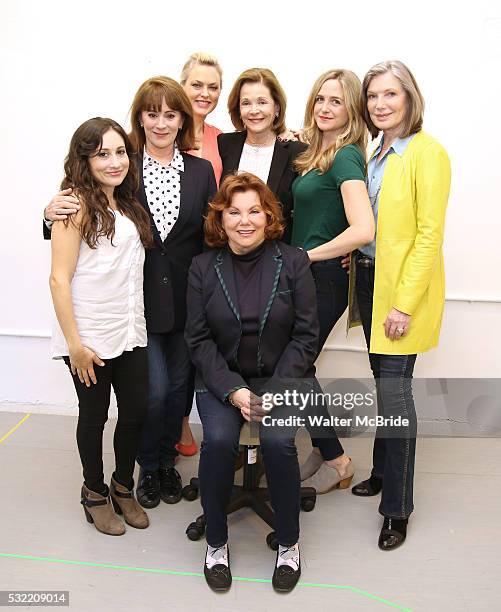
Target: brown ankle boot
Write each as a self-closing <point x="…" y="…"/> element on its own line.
<point x="125" y="503"/>
<point x="98" y="510"/>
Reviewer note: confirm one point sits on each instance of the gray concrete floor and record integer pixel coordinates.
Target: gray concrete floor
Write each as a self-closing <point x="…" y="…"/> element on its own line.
<point x="450" y="560"/>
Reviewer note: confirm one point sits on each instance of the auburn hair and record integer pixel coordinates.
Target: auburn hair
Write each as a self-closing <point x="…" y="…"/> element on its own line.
<point x="215" y="236"/>
<point x="267" y="78"/>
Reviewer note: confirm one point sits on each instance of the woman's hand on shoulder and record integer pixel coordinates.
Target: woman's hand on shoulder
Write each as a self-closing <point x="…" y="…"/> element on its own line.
<point x="64" y="203"/>
<point x="289" y="134"/>
<point x="397" y="324"/>
<point x="82" y="360"/>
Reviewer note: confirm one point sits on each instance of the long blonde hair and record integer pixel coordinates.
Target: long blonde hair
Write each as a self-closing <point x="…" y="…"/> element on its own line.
<point x="354" y="133"/>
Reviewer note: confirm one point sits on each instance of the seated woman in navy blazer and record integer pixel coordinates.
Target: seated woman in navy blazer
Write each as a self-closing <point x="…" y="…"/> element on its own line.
<point x="251" y="315"/>
<point x="257" y="105"/>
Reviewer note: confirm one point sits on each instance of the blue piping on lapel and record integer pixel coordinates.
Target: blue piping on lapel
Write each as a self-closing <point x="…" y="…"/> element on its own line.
<point x="219" y="261"/>
<point x="278" y="258"/>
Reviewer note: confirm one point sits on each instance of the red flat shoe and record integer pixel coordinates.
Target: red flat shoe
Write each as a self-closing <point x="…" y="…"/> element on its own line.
<point x="188" y="450"/>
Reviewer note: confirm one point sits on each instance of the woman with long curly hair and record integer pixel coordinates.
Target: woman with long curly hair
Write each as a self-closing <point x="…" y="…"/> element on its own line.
<point x="96" y="282"/>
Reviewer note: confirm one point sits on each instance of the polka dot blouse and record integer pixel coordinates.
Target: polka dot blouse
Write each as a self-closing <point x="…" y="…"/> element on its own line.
<point x="163" y="190"/>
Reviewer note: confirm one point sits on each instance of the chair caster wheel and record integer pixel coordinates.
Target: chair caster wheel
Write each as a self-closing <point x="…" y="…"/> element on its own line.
<point x="272" y="541"/>
<point x="200" y="523"/>
<point x="194" y="532"/>
<point x="189" y="493"/>
<point x="308" y="503"/>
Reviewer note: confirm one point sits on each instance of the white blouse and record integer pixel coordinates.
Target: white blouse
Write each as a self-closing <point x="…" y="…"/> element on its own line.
<point x="107" y="294"/>
<point x="256" y="160"/>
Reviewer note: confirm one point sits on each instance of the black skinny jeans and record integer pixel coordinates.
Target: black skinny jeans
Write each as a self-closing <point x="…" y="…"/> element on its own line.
<point x="128" y="375"/>
<point x="331" y="282"/>
<point x="394" y="448"/>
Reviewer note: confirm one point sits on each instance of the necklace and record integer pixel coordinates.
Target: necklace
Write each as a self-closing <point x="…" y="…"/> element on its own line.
<point x="260" y="145"/>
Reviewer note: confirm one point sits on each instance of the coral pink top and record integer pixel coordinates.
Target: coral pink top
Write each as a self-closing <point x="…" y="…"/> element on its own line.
<point x="210" y="152"/>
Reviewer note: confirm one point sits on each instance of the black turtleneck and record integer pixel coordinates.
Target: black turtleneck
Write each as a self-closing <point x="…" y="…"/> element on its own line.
<point x="248" y="269"/>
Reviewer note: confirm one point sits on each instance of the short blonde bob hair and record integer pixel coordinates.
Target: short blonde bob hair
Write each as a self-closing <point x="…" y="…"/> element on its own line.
<point x="413" y="120"/>
<point x="149" y="97"/>
<point x="267" y="78"/>
<point x="215" y="236"/>
<point x="200" y="59"/>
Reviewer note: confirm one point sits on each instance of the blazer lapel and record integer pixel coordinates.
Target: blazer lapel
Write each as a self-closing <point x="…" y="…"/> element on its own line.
<point x="226" y="276"/>
<point x="272" y="267"/>
<point x="141" y="196"/>
<point x="186" y="200"/>
<point x="278" y="166"/>
<point x="234" y="152"/>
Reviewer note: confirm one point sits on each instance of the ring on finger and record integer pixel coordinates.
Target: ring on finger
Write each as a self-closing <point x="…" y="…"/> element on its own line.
<point x="400" y="330"/>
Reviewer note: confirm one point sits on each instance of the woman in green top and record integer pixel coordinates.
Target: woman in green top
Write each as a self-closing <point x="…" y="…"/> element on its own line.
<point x="332" y="216"/>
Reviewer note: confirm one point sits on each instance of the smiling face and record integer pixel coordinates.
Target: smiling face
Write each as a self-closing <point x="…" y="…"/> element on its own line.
<point x="161" y="128"/>
<point x="244" y="222"/>
<point x="330" y="113"/>
<point x="203" y="87"/>
<point x="387" y="103"/>
<point x="257" y="109"/>
<point x="110" y="164"/>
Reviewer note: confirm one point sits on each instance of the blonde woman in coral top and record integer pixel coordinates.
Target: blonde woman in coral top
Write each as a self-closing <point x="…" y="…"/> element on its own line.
<point x="201" y="79"/>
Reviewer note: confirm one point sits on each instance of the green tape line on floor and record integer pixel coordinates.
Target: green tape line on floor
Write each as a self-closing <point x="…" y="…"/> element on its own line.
<point x="153" y="570"/>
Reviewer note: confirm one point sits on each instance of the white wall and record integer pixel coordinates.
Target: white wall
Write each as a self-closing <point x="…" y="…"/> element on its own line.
<point x="62" y="63"/>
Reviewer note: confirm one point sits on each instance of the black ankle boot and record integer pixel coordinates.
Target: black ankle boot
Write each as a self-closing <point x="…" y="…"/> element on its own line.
<point x="368" y="488"/>
<point x="393" y="533"/>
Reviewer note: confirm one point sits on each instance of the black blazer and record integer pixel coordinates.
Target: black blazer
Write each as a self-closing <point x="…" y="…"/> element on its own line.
<point x="166" y="264"/>
<point x="282" y="173"/>
<point x="288" y="330"/>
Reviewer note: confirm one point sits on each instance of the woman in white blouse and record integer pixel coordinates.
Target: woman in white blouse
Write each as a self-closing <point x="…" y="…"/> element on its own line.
<point x="257" y="105"/>
<point x="97" y="288"/>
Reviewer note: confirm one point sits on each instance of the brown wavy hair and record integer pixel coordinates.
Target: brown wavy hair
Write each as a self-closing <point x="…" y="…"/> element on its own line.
<point x="97" y="219"/>
<point x="267" y="78"/>
<point x="215" y="236"/>
<point x="149" y="97"/>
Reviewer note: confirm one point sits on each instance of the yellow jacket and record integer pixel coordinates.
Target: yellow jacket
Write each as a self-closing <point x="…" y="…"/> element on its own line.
<point x="409" y="272"/>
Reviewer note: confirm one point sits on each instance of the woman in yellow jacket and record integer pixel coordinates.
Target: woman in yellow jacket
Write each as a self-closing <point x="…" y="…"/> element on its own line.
<point x="399" y="280"/>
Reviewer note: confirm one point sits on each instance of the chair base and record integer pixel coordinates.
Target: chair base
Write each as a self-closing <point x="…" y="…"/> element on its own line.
<point x="248" y="495"/>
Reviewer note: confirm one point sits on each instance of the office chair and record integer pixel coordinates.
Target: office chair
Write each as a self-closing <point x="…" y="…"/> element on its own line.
<point x="249" y="494"/>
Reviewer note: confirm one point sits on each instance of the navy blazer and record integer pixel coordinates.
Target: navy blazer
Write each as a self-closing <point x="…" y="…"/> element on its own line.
<point x="288" y="326"/>
<point x="282" y="173"/>
<point x="166" y="264"/>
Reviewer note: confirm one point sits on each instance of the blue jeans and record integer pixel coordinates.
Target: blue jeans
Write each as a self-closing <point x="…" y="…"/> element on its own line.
<point x="394" y="448"/>
<point x="170" y="388"/>
<point x="221" y="431"/>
